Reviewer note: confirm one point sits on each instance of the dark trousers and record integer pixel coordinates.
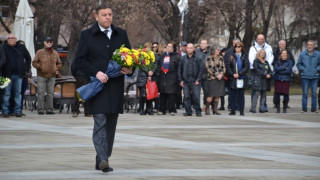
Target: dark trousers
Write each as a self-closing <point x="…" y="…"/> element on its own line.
<point x="237" y="99"/>
<point x="80" y="81"/>
<point x="191" y="91"/>
<point x="204" y="85"/>
<point x="167" y="101"/>
<point x="103" y="135"/>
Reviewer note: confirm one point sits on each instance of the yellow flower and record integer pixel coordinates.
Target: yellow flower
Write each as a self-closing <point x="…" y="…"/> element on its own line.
<point x="147" y="62"/>
<point x="124" y="49"/>
<point x="129" y="60"/>
<point x="145" y="55"/>
<point x="135" y="52"/>
<point x="151" y="54"/>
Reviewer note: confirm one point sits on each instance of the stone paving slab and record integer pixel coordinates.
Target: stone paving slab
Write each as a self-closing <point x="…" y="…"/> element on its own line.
<point x="256" y="146"/>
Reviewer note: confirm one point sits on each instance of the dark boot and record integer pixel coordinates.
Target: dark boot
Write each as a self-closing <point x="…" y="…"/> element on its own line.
<point x="233" y="112"/>
<point x="207" y="110"/>
<point x="285" y="106"/>
<point x="277" y="102"/>
<point x="215" y="111"/>
<point x="149" y="109"/>
<point x="141" y="105"/>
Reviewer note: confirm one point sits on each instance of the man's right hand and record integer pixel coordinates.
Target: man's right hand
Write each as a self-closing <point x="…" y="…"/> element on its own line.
<point x="102" y="77"/>
<point x="181" y="84"/>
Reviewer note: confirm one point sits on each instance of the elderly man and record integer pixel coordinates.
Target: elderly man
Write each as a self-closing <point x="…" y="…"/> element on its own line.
<point x="48" y="64"/>
<point x="309" y="67"/>
<point x="17" y="64"/>
<point x="260" y="43"/>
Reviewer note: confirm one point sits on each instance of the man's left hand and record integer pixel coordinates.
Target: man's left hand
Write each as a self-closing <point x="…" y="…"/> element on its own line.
<point x="125" y="70"/>
<point x="197" y="83"/>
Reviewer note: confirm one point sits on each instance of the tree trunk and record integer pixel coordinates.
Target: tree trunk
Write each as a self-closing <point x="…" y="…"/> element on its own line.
<point x="248" y="36"/>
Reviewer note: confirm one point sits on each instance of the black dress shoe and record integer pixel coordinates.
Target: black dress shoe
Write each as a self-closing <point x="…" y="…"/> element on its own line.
<point x="199" y="115"/>
<point x="104" y="170"/>
<point x="233" y="112"/>
<point x="262" y="111"/>
<point x="221" y="109"/>
<point x="50" y="112"/>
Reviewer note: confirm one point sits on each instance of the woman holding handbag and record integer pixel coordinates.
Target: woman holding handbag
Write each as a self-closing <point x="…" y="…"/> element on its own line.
<point x="237" y="68"/>
<point x="143" y="76"/>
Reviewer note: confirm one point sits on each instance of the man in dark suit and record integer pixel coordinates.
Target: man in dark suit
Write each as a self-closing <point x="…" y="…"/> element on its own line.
<point x="95" y="49"/>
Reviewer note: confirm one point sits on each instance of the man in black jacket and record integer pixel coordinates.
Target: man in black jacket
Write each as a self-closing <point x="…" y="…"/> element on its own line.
<point x="95" y="49"/>
<point x="17" y="64"/>
<point x="189" y="75"/>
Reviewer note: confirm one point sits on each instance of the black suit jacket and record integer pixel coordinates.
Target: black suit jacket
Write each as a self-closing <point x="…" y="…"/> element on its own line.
<point x="94" y="52"/>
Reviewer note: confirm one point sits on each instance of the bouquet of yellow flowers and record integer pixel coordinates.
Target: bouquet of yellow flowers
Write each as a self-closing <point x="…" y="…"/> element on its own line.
<point x="134" y="58"/>
<point x="4" y="82"/>
<point x="122" y="57"/>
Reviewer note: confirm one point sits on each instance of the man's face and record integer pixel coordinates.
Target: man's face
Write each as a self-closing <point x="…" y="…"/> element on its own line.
<point x="282" y="45"/>
<point x="12" y="40"/>
<point x="190" y="48"/>
<point x="310" y="46"/>
<point x="104" y="17"/>
<point x="260" y="39"/>
<point x="184" y="48"/>
<point x="203" y="44"/>
<point x="47" y="44"/>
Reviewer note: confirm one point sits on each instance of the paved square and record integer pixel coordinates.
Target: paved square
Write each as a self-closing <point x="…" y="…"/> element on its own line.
<point x="254" y="146"/>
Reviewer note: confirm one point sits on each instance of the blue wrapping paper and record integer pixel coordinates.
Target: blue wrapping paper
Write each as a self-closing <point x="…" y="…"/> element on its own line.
<point x="91" y="89"/>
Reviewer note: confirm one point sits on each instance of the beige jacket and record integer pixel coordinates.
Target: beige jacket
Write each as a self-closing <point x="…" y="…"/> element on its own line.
<point x="47" y="63"/>
<point x="215" y="66"/>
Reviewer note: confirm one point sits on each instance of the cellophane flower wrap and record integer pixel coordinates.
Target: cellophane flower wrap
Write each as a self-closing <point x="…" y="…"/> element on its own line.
<point x="4" y="82"/>
<point x="122" y="57"/>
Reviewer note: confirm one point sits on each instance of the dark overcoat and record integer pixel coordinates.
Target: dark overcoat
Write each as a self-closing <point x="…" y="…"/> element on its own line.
<point x="94" y="52"/>
<point x="231" y="65"/>
<point x="261" y="83"/>
<point x="168" y="82"/>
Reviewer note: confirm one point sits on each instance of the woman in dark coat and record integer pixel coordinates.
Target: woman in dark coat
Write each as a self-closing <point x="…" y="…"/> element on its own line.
<point x="168" y="79"/>
<point x="216" y="70"/>
<point x="261" y="81"/>
<point x="143" y="76"/>
<point x="237" y="68"/>
<point x="283" y="69"/>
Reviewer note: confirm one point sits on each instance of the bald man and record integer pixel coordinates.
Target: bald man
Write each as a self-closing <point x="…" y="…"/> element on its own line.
<point x="260" y="43"/>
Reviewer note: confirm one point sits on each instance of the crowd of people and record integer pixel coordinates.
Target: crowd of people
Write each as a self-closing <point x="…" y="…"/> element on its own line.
<point x="220" y="71"/>
<point x="187" y="68"/>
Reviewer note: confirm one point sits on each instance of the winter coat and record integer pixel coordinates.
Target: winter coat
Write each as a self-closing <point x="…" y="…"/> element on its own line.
<point x="309" y="65"/>
<point x="23" y="59"/>
<point x="282" y="72"/>
<point x="276" y="55"/>
<point x="215" y="66"/>
<point x="231" y="65"/>
<point x="255" y="48"/>
<point x="47" y="63"/>
<point x="183" y="68"/>
<point x="203" y="57"/>
<point x="260" y="82"/>
<point x="93" y="54"/>
<point x="168" y="82"/>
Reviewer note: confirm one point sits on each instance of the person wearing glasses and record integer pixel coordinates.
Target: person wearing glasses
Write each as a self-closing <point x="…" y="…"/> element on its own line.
<point x="18" y="62"/>
<point x="237" y="67"/>
<point x="155" y="47"/>
<point x="48" y="64"/>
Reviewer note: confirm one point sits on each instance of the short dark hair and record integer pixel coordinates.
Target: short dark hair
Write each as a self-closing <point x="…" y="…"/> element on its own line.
<point x="102" y="6"/>
<point x="155" y="43"/>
